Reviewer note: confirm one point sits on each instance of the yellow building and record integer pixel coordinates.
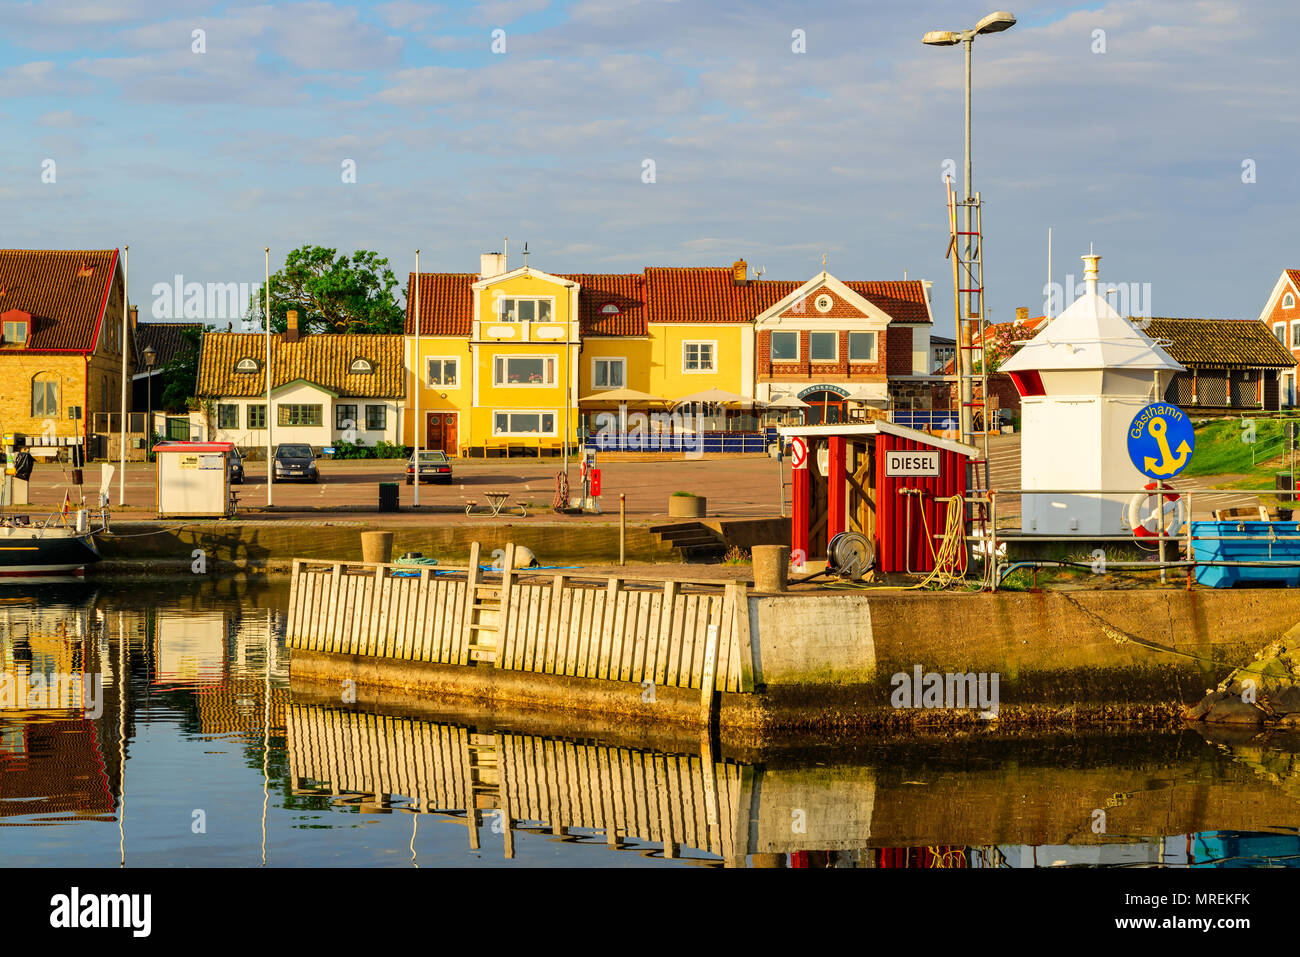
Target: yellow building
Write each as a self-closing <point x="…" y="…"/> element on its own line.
<point x="513" y="361"/>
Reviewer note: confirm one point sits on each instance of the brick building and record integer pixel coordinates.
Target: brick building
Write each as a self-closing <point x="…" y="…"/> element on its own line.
<point x="61" y="344"/>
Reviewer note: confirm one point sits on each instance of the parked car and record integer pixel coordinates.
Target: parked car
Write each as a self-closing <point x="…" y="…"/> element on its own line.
<point x="434" y="467"/>
<point x="236" y="467"/>
<point x="294" y="463"/>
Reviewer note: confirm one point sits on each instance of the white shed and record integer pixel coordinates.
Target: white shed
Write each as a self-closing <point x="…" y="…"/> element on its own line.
<point x="1081" y="381"/>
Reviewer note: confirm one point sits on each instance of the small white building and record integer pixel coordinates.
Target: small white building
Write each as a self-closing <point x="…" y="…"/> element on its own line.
<point x="1081" y="380"/>
<point x="326" y="388"/>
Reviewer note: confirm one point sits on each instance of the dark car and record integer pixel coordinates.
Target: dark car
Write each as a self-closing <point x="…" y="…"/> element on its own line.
<point x="434" y="467"/>
<point x="236" y="467"/>
<point x="294" y="463"/>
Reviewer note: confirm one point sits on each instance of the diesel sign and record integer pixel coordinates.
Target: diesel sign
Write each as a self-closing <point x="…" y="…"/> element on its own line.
<point x="911" y="462"/>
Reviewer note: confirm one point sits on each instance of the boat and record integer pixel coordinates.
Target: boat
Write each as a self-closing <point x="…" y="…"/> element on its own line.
<point x="53" y="547"/>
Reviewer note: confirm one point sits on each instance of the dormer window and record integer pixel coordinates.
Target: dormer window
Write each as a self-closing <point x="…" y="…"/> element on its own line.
<point x="609" y="309"/>
<point x="15" y="333"/>
<point x="1288" y="301"/>
<point x="361" y="366"/>
<point x="246" y="365"/>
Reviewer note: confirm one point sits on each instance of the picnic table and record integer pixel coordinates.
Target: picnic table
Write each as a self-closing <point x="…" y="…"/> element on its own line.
<point x="496" y="501"/>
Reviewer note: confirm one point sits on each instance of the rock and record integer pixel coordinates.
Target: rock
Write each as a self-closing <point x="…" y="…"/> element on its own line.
<point x="1291" y="720"/>
<point x="1198" y="711"/>
<point x="1285" y="701"/>
<point x="1234" y="711"/>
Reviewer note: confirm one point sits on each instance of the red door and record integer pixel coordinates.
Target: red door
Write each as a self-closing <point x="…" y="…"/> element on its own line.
<point x="441" y="432"/>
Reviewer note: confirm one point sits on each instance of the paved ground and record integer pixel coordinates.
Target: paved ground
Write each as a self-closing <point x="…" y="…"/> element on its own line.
<point x="736" y="487"/>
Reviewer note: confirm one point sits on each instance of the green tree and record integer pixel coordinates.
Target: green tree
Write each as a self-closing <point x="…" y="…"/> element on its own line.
<point x="333" y="293"/>
<point x="179" y="377"/>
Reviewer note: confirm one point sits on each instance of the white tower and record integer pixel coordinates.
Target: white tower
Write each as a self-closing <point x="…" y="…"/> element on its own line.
<point x="1081" y="381"/>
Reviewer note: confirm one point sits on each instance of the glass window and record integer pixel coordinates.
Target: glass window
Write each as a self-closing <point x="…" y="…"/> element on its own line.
<point x="15" y="332"/>
<point x="1288" y="302"/>
<point x="442" y="372"/>
<point x="256" y="416"/>
<point x="697" y="356"/>
<point x="361" y="367"/>
<point x="524" y="423"/>
<point x="785" y="346"/>
<point x="304" y="415"/>
<point x="246" y="365"/>
<point x="1279" y="332"/>
<point x="45" y="395"/>
<point x="227" y="416"/>
<point x="862" y="347"/>
<point x="823" y="346"/>
<point x="525" y="370"/>
<point x="376" y="417"/>
<point x="524" y="310"/>
<point x="345" y="416"/>
<point x="608" y="373"/>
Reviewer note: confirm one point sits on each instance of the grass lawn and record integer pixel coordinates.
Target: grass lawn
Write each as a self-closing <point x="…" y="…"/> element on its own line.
<point x="1241" y="447"/>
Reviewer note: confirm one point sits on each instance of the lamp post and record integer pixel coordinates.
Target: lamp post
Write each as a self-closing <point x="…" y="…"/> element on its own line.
<point x="150" y="357"/>
<point x="993" y="23"/>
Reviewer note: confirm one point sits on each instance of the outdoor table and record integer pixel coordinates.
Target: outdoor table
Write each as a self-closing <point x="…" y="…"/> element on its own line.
<point x="495" y="502"/>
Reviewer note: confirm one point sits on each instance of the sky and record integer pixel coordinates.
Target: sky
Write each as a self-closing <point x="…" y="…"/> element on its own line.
<point x="611" y="135"/>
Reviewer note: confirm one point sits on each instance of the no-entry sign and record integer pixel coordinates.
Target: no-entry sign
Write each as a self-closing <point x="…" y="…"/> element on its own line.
<point x="798" y="453"/>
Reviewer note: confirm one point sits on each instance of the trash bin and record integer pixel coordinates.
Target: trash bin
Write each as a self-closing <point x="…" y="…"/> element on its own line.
<point x="388" y="496"/>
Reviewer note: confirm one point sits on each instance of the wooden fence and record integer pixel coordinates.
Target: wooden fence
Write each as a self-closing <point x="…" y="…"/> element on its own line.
<point x="683" y="634"/>
<point x="672" y="799"/>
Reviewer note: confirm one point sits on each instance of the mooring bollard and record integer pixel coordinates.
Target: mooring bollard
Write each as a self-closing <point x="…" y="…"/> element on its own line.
<point x="377" y="547"/>
<point x="771" y="567"/>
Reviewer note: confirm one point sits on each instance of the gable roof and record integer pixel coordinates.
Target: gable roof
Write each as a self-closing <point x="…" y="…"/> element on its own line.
<point x="64" y="290"/>
<point x="1218" y="342"/>
<point x="1090" y="334"/>
<point x="167" y="339"/>
<point x="658" y="294"/>
<point x="320" y="359"/>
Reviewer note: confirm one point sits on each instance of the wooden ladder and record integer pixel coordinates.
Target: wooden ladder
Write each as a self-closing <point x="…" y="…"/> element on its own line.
<point x="485" y="637"/>
<point x="486" y="788"/>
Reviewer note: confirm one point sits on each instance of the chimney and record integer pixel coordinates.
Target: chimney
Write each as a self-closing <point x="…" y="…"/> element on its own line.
<point x="1090" y="273"/>
<point x="740" y="272"/>
<point x="135" y="315"/>
<point x="491" y="264"/>
<point x="1022" y="313"/>
<point x="291" y="333"/>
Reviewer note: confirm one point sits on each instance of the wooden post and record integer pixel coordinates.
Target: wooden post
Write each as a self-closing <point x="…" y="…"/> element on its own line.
<point x="622" y="528"/>
<point x="504" y="636"/>
<point x="472" y="577"/>
<point x="744" y="645"/>
<point x="711" y="633"/>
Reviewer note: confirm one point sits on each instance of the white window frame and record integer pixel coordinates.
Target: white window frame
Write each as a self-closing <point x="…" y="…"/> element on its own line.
<point x="553" y="413"/>
<point x="442" y="371"/>
<point x="368" y="370"/>
<point x="11" y="324"/>
<point x="1288" y="301"/>
<point x="822" y="332"/>
<point x="499" y="309"/>
<point x="713" y="356"/>
<point x="1282" y="338"/>
<point x="242" y="371"/>
<point x="555" y="378"/>
<point x="620" y="360"/>
<point x="798" y="344"/>
<point x="1295" y="334"/>
<point x="875" y="346"/>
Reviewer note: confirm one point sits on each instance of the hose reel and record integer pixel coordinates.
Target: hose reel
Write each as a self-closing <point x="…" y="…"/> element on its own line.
<point x="851" y="555"/>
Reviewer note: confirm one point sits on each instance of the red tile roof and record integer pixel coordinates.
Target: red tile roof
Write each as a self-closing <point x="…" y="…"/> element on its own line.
<point x="1294" y="276"/>
<point x="598" y="290"/>
<point x="660" y="294"/>
<point x="65" y="290"/>
<point x="446" y="303"/>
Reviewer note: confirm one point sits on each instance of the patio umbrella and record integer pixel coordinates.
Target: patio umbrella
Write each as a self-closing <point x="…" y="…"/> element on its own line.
<point x="621" y="395"/>
<point x="788" y="402"/>
<point x="869" y="392"/>
<point x="711" y="395"/>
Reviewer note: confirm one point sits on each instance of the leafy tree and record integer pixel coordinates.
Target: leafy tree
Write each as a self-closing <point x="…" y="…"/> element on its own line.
<point x="333" y="293"/>
<point x="179" y="377"/>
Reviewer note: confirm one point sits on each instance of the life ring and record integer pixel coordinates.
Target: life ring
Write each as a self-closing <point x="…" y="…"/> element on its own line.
<point x="1155" y="522"/>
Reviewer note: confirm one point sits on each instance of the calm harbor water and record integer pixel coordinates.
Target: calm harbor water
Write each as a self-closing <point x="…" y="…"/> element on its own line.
<point x="153" y="724"/>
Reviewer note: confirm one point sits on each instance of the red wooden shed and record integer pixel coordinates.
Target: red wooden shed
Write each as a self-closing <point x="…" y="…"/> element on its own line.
<point x="886" y="481"/>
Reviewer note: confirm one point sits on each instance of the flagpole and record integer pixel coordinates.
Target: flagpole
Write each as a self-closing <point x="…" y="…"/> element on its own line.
<point x="266" y="321"/>
<point x="419" y="382"/>
<point x="121" y="482"/>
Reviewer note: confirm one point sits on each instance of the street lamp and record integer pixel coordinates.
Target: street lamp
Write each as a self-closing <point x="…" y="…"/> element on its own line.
<point x="150" y="357"/>
<point x="993" y="23"/>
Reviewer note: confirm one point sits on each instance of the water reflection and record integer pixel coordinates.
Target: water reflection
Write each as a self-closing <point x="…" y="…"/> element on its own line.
<point x="196" y="749"/>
